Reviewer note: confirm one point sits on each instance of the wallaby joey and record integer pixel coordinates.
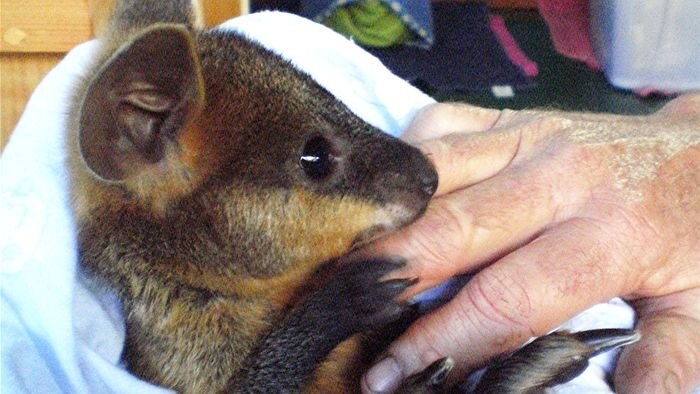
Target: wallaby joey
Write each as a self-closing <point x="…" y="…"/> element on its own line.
<point x="210" y="180"/>
<point x="213" y="185"/>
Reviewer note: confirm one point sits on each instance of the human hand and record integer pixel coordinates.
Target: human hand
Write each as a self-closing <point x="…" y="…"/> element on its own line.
<point x="560" y="211"/>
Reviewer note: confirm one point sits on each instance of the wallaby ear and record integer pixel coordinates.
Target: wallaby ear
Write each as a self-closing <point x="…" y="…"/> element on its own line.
<point x="139" y="101"/>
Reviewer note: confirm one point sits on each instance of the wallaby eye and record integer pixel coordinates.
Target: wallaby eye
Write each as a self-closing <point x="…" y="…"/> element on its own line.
<point x="317" y="159"/>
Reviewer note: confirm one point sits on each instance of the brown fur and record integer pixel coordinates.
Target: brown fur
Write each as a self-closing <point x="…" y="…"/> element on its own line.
<point x="340" y="373"/>
<point x="212" y="242"/>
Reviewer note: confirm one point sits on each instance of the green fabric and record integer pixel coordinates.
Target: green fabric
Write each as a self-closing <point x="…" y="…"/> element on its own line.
<point x="370" y="23"/>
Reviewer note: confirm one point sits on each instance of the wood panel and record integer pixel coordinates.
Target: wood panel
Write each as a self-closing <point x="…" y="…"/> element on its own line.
<point x="100" y="11"/>
<point x="213" y="12"/>
<point x="43" y="26"/>
<point x="19" y="75"/>
<point x="217" y="11"/>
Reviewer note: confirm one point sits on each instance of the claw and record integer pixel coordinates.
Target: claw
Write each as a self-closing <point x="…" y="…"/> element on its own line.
<point x="603" y="340"/>
<point x="551" y="360"/>
<point x="428" y="381"/>
<point x="399" y="285"/>
<point x="437" y="371"/>
<point x="389" y="314"/>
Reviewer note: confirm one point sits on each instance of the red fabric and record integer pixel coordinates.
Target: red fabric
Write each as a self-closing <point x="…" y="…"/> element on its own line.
<point x="511" y="48"/>
<point x="568" y="26"/>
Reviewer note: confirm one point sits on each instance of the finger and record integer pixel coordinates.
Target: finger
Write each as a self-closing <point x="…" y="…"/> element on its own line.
<point x="687" y="104"/>
<point x="465" y="159"/>
<point x="667" y="359"/>
<point x="437" y="120"/>
<point x="552" y="359"/>
<point x="525" y="294"/>
<point x="464" y="229"/>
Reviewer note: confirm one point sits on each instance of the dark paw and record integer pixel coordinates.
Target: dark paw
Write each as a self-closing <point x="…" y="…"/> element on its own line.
<point x="551" y="360"/>
<point x="360" y="300"/>
<point x="429" y="381"/>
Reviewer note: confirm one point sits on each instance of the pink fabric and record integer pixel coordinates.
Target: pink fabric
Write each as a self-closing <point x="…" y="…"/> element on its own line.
<point x="568" y="26"/>
<point x="515" y="54"/>
<point x="644" y="92"/>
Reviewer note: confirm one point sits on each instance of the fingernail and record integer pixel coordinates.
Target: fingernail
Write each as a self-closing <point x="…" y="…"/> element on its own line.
<point x="671" y="383"/>
<point x="384" y="376"/>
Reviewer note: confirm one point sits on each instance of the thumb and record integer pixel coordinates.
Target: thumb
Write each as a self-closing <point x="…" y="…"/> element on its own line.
<point x="450" y="135"/>
<point x="667" y="358"/>
<point x="436" y="120"/>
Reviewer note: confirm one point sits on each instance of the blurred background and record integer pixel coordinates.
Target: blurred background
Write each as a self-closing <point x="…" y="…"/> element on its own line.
<point x="626" y="57"/>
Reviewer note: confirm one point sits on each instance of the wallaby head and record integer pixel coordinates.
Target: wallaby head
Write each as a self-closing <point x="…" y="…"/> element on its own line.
<point x="229" y="157"/>
<point x="210" y="179"/>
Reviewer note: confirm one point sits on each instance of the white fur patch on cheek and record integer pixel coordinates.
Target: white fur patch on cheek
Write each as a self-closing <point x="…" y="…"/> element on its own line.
<point x="394" y="216"/>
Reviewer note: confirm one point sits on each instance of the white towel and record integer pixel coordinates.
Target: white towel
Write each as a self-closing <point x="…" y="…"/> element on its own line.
<point x="60" y="334"/>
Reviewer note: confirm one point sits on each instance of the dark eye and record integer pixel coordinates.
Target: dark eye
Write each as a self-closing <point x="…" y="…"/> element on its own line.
<point x="317" y="158"/>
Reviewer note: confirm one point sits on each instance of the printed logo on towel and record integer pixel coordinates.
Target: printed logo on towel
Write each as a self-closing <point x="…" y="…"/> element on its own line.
<point x="24" y="218"/>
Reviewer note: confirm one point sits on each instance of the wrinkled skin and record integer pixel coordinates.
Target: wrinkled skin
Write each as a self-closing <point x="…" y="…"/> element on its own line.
<point x="560" y="211"/>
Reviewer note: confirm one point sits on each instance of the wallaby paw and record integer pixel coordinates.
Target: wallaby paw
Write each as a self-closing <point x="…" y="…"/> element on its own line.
<point x="361" y="300"/>
<point x="429" y="381"/>
<point x="551" y="360"/>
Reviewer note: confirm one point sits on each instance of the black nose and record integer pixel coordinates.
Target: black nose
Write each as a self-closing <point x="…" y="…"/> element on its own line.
<point x="429" y="183"/>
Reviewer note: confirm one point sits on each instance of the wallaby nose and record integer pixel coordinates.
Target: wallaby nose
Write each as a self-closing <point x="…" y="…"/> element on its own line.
<point x="429" y="182"/>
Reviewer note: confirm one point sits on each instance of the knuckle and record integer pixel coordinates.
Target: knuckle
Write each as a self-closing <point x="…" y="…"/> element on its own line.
<point x="537" y="124"/>
<point x="427" y="122"/>
<point x="683" y="105"/>
<point x="436" y="150"/>
<point x="552" y="121"/>
<point x="444" y="233"/>
<point x="627" y="246"/>
<point x="592" y="271"/>
<point x="640" y="232"/>
<point x="498" y="298"/>
<point x="437" y="111"/>
<point x="587" y="264"/>
<point x="571" y="155"/>
<point x="591" y="261"/>
<point x="445" y="118"/>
